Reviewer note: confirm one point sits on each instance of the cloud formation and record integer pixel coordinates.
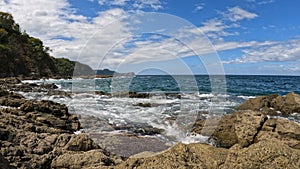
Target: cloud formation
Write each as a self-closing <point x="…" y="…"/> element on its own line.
<point x="273" y="52"/>
<point x="236" y="14"/>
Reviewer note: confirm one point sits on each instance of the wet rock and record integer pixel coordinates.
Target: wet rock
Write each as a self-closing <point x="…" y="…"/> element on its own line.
<point x="138" y="128"/>
<point x="58" y="93"/>
<point x="126" y="145"/>
<point x="143" y="104"/>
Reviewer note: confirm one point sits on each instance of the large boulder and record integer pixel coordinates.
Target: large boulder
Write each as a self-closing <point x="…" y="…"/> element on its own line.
<point x="240" y="127"/>
<point x="248" y="127"/>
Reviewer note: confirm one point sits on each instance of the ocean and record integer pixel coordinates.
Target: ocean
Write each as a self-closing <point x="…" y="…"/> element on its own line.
<point x="170" y="104"/>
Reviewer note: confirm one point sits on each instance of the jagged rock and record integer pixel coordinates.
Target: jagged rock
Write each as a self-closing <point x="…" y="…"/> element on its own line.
<point x="220" y="129"/>
<point x="34" y="133"/>
<point x="81" y="160"/>
<point x="247" y="126"/>
<point x="81" y="142"/>
<point x="288" y="104"/>
<point x="181" y="156"/>
<point x="264" y="154"/>
<point x="274" y="104"/>
<point x="283" y="130"/>
<point x="240" y="127"/>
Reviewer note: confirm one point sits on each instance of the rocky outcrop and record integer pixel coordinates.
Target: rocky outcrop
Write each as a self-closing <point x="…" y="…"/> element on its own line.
<point x="265" y="154"/>
<point x="248" y="127"/>
<point x="274" y="104"/>
<point x="181" y="156"/>
<point x="40" y="134"/>
<point x="281" y="130"/>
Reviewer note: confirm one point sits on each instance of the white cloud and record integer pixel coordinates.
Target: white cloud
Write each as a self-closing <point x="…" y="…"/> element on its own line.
<point x="133" y="4"/>
<point x="199" y="7"/>
<point x="236" y="14"/>
<point x="55" y="21"/>
<point x="261" y="2"/>
<point x="276" y="52"/>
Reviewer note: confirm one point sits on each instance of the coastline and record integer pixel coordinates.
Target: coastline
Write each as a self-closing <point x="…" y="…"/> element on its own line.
<point x="40" y="134"/>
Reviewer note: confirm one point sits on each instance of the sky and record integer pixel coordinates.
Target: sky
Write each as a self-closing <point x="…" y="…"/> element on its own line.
<point x="171" y="36"/>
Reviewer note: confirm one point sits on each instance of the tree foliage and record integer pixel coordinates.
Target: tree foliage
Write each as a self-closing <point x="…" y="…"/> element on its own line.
<point x="23" y="55"/>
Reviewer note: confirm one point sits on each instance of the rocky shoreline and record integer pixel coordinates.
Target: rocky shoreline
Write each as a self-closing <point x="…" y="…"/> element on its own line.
<point x="40" y="134"/>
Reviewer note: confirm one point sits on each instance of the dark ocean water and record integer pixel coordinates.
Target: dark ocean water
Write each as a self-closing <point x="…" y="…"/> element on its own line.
<point x="237" y="85"/>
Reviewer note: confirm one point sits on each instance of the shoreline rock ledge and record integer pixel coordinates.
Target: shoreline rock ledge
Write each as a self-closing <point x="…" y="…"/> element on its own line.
<point x="40" y="134"/>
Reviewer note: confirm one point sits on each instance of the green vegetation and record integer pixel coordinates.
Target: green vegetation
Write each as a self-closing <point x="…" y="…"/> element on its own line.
<point x="26" y="56"/>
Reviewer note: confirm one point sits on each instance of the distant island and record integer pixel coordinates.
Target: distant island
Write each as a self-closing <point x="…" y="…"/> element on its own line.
<point x="110" y="73"/>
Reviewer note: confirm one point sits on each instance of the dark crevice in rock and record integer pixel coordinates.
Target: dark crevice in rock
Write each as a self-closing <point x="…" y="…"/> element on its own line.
<point x="258" y="130"/>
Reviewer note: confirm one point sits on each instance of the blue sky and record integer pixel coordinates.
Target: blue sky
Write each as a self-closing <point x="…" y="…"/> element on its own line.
<point x="177" y="36"/>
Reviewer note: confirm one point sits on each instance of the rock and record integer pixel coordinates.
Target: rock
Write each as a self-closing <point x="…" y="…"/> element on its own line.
<point x="37" y="132"/>
<point x="288" y="104"/>
<point x="238" y="128"/>
<point x="143" y="104"/>
<point x="4" y="164"/>
<point x="180" y="156"/>
<point x="222" y="130"/>
<point x="81" y="142"/>
<point x="59" y="93"/>
<point x="81" y="160"/>
<point x="283" y="130"/>
<point x="49" y="86"/>
<point x="260" y="103"/>
<point x="264" y="154"/>
<point x="12" y="80"/>
<point x="126" y="145"/>
<point x="247" y="126"/>
<point x="274" y="104"/>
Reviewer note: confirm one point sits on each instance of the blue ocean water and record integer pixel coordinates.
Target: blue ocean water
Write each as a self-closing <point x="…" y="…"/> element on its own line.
<point x="237" y="85"/>
<point x="200" y="94"/>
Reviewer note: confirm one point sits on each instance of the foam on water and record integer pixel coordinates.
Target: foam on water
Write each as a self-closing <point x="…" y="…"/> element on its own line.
<point x="175" y="116"/>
